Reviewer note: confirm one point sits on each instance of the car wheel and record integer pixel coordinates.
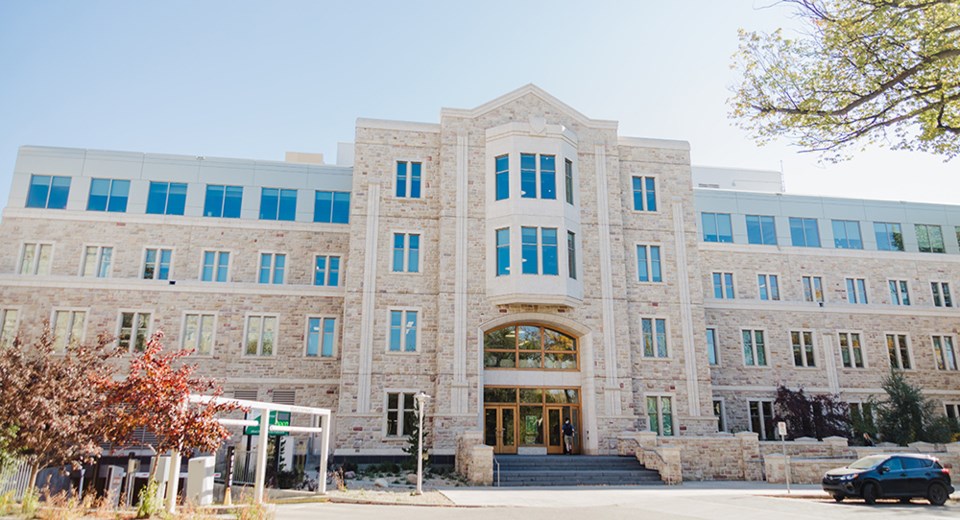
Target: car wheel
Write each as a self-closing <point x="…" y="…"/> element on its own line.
<point x="869" y="493"/>
<point x="937" y="494"/>
<point x="838" y="498"/>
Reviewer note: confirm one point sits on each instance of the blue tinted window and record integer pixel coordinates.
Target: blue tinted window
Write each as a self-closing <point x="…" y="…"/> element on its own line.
<point x="644" y="193"/>
<point x="642" y="266"/>
<point x="48" y="192"/>
<point x="166" y="198"/>
<point x="413" y="255"/>
<point x="528" y="176"/>
<point x="655" y="264"/>
<point x="59" y="192"/>
<point x="232" y="201"/>
<point x="401" y="179"/>
<point x="177" y="199"/>
<point x="528" y="251"/>
<point x="761" y="230"/>
<point x="269" y="202"/>
<point x="288" y="205"/>
<point x="549" y="238"/>
<point x="333" y="278"/>
<point x="503" y="252"/>
<point x="415" y="180"/>
<point x="651" y="188"/>
<point x="119" y="192"/>
<point x="846" y="234"/>
<point x="503" y="177"/>
<point x="332" y="207"/>
<point x="717" y="227"/>
<point x="213" y="203"/>
<point x="341" y="207"/>
<point x="804" y="232"/>
<point x="313" y="336"/>
<point x="548" y="177"/>
<point x="99" y="193"/>
<point x="399" y="246"/>
<point x="889" y="236"/>
<point x="396" y="328"/>
<point x="157" y="198"/>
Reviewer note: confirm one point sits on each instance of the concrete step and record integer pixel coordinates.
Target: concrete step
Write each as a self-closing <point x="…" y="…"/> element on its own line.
<point x="573" y="470"/>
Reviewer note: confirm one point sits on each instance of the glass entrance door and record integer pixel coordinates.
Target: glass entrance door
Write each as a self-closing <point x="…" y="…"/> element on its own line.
<point x="556" y="417"/>
<point x="500" y="428"/>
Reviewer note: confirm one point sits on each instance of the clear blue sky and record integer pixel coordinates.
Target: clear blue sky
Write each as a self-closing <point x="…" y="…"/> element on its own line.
<point x="256" y="79"/>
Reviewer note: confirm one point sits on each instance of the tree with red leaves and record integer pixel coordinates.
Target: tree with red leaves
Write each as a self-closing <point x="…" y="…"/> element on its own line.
<point x="52" y="406"/>
<point x="155" y="395"/>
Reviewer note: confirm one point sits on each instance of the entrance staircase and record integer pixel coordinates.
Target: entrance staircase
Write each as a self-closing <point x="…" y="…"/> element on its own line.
<point x="572" y="470"/>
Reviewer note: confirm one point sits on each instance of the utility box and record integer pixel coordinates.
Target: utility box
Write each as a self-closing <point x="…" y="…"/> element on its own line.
<point x="200" y="481"/>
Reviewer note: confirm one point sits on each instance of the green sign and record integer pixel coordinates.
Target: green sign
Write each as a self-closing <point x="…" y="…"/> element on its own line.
<point x="276" y="418"/>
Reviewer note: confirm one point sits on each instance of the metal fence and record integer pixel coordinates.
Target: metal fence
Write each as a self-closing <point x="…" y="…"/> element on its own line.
<point x="15" y="478"/>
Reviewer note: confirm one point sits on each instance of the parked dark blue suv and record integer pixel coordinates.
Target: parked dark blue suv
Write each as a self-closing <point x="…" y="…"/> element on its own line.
<point x="899" y="475"/>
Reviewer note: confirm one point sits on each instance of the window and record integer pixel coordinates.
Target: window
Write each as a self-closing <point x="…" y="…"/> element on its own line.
<point x="846" y="234"/>
<point x="717" y="227"/>
<point x="723" y="286"/>
<point x="720" y="414"/>
<point x="529" y="347"/>
<point x="134" y="331"/>
<point x="944" y="353"/>
<point x="645" y="193"/>
<point x="648" y="264"/>
<point x="401" y="414"/>
<point x="898" y="349"/>
<point x="198" y="331"/>
<point x="889" y="236"/>
<point x="754" y="349"/>
<point x="568" y="180"/>
<point x="529" y="169"/>
<point x="856" y="290"/>
<point x="929" y="238"/>
<point x="108" y="195"/>
<point x="261" y="335"/>
<point x="503" y="251"/>
<point x="941" y="294"/>
<point x="166" y="198"/>
<point x="272" y="267"/>
<point x="761" y="419"/>
<point x="278" y="204"/>
<point x="861" y="415"/>
<point x="502" y="177"/>
<point x="35" y="258"/>
<point x="812" y="289"/>
<point x="899" y="292"/>
<point x="223" y="201"/>
<point x="96" y="262"/>
<point x="713" y="354"/>
<point x="538" y="244"/>
<point x="761" y="230"/>
<point x="952" y="411"/>
<point x="802" y="342"/>
<point x="403" y="331"/>
<point x="768" y="286"/>
<point x="332" y="207"/>
<point x="326" y="270"/>
<point x="660" y="414"/>
<point x="8" y="326"/>
<point x="215" y="267"/>
<point x="851" y="351"/>
<point x="320" y="337"/>
<point x="572" y="255"/>
<point x="804" y="232"/>
<point x="654" y="337"/>
<point x="408" y="179"/>
<point x="67" y="328"/>
<point x="48" y="192"/>
<point x="156" y="263"/>
<point x="406" y="253"/>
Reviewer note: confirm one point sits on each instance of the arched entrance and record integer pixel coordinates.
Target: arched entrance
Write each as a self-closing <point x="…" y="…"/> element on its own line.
<point x="531" y="388"/>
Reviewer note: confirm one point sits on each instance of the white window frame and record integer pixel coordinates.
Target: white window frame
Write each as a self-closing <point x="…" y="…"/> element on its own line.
<point x="656" y="345"/>
<point x="899" y="302"/>
<point x="406" y="252"/>
<point x="98" y="261"/>
<point x="953" y="347"/>
<point x="673" y="407"/>
<point x="386" y="410"/>
<point x="137" y="315"/>
<point x="219" y="252"/>
<point x="273" y="267"/>
<point x="246" y="326"/>
<point x="863" y="349"/>
<point x="403" y="336"/>
<point x="933" y="299"/>
<point x="35" y="264"/>
<point x="156" y="270"/>
<point x="326" y="281"/>
<point x="72" y="310"/>
<point x="886" y="349"/>
<point x="766" y="276"/>
<point x="807" y="363"/>
<point x="813" y="290"/>
<point x="409" y="181"/>
<point x="4" y="314"/>
<point x="866" y="290"/>
<point x="716" y="345"/>
<point x="657" y="188"/>
<point x="763" y="428"/>
<point x="723" y="286"/>
<point x="636" y="263"/>
<point x="213" y="335"/>
<point x="753" y="346"/>
<point x="336" y="334"/>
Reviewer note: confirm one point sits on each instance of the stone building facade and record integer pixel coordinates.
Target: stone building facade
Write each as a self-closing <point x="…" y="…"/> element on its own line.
<point x="519" y="262"/>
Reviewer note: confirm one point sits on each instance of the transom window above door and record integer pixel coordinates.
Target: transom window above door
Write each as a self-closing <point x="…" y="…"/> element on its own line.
<point x="529" y="347"/>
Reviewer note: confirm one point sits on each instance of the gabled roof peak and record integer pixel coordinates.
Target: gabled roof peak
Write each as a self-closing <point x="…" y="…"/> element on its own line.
<point x="533" y="89"/>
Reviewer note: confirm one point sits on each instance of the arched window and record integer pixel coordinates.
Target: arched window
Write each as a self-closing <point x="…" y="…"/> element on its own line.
<point x="529" y="347"/>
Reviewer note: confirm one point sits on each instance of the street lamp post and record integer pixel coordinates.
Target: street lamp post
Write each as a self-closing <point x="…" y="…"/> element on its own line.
<point x="421" y="400"/>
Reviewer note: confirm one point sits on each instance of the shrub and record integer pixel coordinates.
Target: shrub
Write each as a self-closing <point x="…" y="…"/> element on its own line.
<point x="150" y="501"/>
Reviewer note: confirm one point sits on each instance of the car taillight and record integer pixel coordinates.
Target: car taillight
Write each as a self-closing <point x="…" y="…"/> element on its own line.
<point x="945" y="471"/>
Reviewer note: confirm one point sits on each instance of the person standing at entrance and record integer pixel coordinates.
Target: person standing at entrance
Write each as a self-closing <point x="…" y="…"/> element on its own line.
<point x="567" y="437"/>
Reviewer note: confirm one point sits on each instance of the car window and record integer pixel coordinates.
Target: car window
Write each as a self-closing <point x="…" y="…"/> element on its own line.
<point x="868" y="462"/>
<point x="893" y="464"/>
<point x="912" y="463"/>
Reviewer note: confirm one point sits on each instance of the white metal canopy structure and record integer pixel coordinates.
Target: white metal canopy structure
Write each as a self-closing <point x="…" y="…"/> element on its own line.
<point x="320" y="423"/>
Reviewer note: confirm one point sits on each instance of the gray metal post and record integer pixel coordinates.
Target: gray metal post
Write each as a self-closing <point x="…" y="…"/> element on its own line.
<point x="262" y="456"/>
<point x="324" y="448"/>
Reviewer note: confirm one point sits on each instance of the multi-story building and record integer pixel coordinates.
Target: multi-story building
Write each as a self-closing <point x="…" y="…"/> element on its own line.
<point x="519" y="262"/>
